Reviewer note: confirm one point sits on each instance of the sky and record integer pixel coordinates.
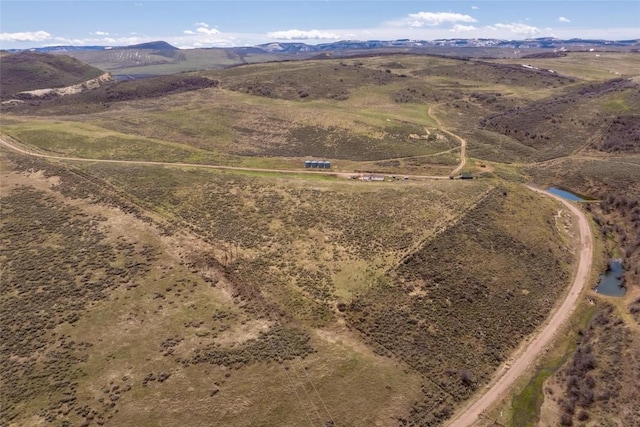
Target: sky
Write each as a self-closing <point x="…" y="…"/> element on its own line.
<point x="192" y="24"/>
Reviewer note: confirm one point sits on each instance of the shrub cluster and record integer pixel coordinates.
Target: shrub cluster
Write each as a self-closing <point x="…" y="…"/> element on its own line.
<point x="78" y="184"/>
<point x="153" y="87"/>
<point x="628" y="229"/>
<point x="324" y="81"/>
<point x="551" y="125"/>
<point x="55" y="262"/>
<point x="413" y="95"/>
<point x="622" y="136"/>
<point x="102" y="98"/>
<point x="487" y="72"/>
<point x="455" y="308"/>
<point x="486" y="97"/>
<point x="335" y="142"/>
<point x="634" y="309"/>
<point x="593" y="379"/>
<point x="276" y="345"/>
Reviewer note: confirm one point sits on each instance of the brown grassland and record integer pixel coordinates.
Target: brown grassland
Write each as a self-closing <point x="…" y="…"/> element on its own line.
<point x="148" y="294"/>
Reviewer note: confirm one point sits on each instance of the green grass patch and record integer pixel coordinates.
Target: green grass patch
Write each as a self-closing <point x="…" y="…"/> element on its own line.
<point x="82" y="140"/>
<point x="615" y="105"/>
<point x="525" y="405"/>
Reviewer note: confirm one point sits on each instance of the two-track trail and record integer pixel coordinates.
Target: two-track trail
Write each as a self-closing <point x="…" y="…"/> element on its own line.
<point x="463" y="142"/>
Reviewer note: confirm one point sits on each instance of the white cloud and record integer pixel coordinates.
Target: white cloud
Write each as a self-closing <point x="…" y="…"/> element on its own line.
<point x="563" y="19"/>
<point x="207" y="31"/>
<point x="302" y="35"/>
<point x="516" y="28"/>
<point x="436" y="18"/>
<point x="109" y="41"/>
<point x="458" y="28"/>
<point x="426" y="26"/>
<point x="203" y="29"/>
<point x="29" y="36"/>
<point x="475" y="7"/>
<point x="202" y="36"/>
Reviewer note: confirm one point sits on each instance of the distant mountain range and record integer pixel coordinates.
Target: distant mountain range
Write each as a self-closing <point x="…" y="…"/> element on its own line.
<point x="540" y="43"/>
<point x="550" y="43"/>
<point x="161" y="58"/>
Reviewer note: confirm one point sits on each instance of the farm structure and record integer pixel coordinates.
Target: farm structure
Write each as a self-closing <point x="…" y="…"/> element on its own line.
<point x="317" y="164"/>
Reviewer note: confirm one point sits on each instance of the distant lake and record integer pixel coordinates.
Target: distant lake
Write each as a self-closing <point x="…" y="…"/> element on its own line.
<point x="611" y="282"/>
<point x="565" y="194"/>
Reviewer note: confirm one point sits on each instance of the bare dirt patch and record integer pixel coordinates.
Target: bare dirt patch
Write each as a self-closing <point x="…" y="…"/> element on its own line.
<point x="243" y="332"/>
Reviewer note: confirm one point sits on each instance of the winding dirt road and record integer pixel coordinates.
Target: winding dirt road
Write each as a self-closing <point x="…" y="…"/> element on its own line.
<point x="508" y="375"/>
<point x="463" y="142"/>
<point x="463" y="151"/>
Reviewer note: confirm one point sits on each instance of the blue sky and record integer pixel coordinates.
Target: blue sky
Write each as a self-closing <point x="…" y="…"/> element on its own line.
<point x="188" y="24"/>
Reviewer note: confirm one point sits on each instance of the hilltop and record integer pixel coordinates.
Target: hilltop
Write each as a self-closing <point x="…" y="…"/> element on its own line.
<point x="157" y="45"/>
<point x="34" y="70"/>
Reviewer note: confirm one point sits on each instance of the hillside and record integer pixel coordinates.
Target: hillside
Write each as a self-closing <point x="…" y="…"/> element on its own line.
<point x="149" y="60"/>
<point x="30" y="70"/>
<point x="507" y="112"/>
<point x="204" y="270"/>
<point x="233" y="311"/>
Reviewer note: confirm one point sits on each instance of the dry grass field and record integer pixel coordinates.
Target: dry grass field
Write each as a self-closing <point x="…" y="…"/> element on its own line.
<point x="141" y="325"/>
<point x="147" y="294"/>
<point x="227" y="287"/>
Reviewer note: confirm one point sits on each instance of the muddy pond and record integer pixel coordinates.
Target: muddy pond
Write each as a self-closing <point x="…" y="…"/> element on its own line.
<point x="612" y="281"/>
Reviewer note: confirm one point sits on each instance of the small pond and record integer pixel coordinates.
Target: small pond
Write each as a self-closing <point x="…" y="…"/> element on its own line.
<point x="612" y="281"/>
<point x="565" y="194"/>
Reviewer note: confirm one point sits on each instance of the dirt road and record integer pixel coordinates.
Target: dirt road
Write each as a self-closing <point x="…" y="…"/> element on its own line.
<point x="463" y="142"/>
<point x="508" y="376"/>
<point x="463" y="159"/>
<point x="196" y="165"/>
<point x="463" y="151"/>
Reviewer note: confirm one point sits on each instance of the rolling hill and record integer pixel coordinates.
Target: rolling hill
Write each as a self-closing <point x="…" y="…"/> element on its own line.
<point x="202" y="270"/>
<point x="33" y="70"/>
